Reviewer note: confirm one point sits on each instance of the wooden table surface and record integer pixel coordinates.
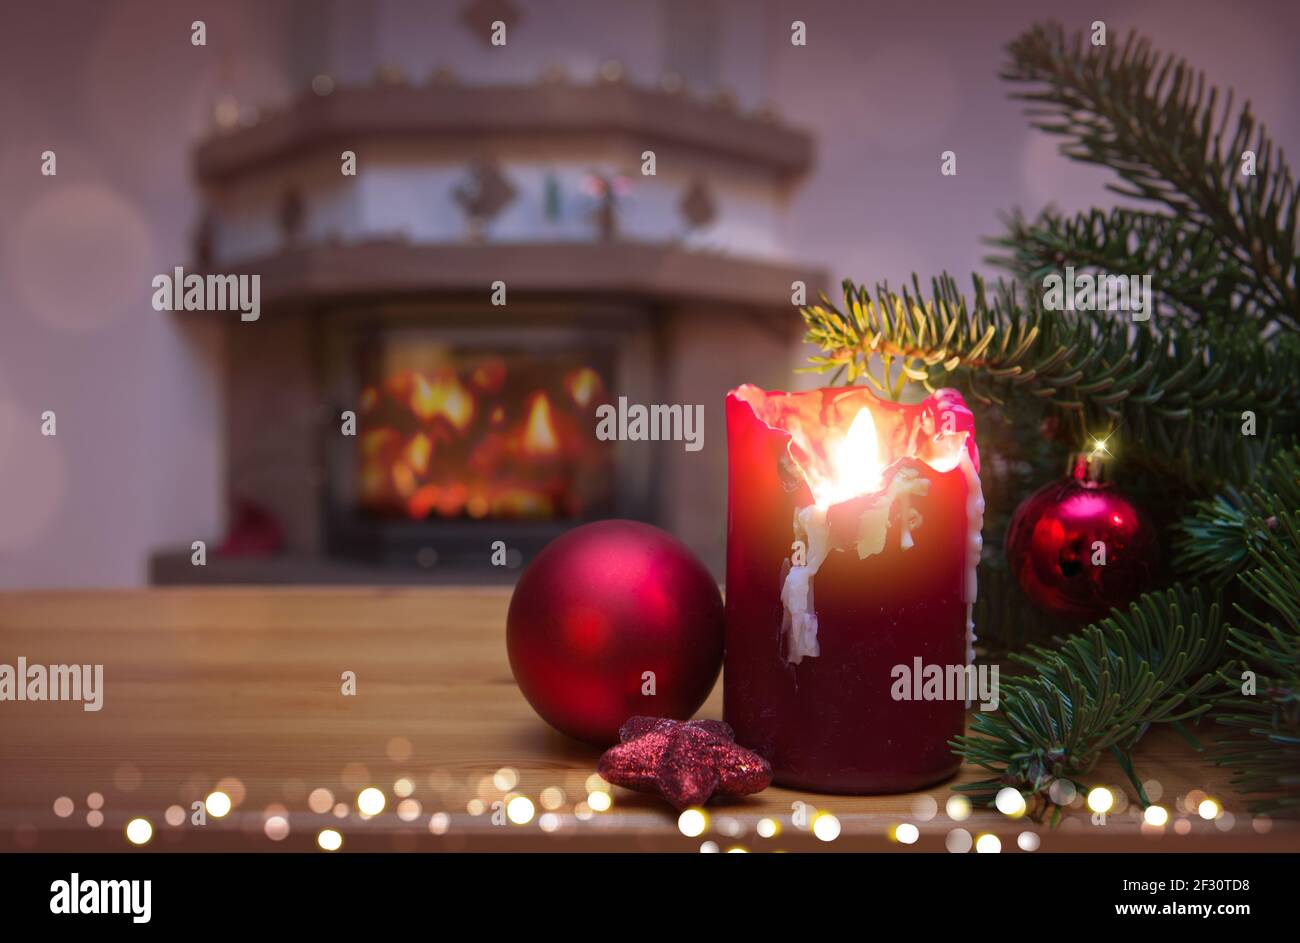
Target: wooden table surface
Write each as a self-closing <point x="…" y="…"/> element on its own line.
<point x="243" y="686"/>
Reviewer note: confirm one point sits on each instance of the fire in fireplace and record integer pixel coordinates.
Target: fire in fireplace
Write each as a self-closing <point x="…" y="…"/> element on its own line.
<point x="466" y="437"/>
<point x="459" y="434"/>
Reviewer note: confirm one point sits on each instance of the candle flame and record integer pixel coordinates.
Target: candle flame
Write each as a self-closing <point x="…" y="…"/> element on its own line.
<point x="854" y="464"/>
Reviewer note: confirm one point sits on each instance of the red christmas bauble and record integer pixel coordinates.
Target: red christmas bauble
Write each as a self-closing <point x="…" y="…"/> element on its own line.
<point x="612" y="620"/>
<point x="1079" y="548"/>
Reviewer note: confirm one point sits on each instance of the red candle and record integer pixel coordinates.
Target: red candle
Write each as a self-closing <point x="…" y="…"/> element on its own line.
<point x="853" y="532"/>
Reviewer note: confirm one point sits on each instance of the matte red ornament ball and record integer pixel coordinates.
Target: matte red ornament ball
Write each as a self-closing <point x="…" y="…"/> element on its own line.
<point x="611" y="620"/>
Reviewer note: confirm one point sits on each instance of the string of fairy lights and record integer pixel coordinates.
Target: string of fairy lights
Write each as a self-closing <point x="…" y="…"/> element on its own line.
<point x="561" y="808"/>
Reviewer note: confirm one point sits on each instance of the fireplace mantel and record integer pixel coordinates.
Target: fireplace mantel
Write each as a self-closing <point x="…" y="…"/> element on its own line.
<point x="652" y="117"/>
<point x="627" y="269"/>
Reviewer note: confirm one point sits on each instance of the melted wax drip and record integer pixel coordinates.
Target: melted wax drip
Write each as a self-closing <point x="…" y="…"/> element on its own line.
<point x="812" y="526"/>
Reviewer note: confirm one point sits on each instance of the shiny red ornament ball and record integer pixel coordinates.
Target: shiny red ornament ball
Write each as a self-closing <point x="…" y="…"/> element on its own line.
<point x="606" y="614"/>
<point x="1059" y="537"/>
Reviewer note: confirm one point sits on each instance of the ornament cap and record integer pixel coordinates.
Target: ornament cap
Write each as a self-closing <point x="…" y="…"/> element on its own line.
<point x="1087" y="468"/>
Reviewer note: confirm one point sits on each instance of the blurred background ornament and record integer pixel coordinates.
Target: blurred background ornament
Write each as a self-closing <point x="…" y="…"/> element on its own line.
<point x="697" y="205"/>
<point x="483" y="196"/>
<point x="552" y="197"/>
<point x="254" y="531"/>
<point x="607" y="191"/>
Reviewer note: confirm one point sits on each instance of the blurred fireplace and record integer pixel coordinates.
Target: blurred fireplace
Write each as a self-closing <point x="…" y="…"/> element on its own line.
<point x="476" y="423"/>
<point x="468" y="435"/>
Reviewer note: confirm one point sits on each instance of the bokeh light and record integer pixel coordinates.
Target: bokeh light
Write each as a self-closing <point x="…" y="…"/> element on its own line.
<point x="217" y="804"/>
<point x="320" y="800"/>
<point x="552" y="798"/>
<point x="233" y="788"/>
<point x="1100" y="799"/>
<point x="408" y="810"/>
<point x="520" y="810"/>
<point x="826" y="827"/>
<point x="399" y="749"/>
<point x="1156" y="815"/>
<point x="958" y="841"/>
<point x="139" y="831"/>
<point x="1010" y="802"/>
<point x="1062" y="792"/>
<point x="371" y="801"/>
<point x="692" y="823"/>
<point x="924" y="808"/>
<point x="276" y="828"/>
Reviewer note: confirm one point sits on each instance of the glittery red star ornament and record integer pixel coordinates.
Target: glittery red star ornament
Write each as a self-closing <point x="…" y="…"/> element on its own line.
<point x="686" y="763"/>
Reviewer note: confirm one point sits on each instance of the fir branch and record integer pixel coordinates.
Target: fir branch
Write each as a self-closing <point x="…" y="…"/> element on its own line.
<point x="1179" y="390"/>
<point x="1218" y="539"/>
<point x="1154" y="120"/>
<point x="1265" y="752"/>
<point x="1190" y="277"/>
<point x="1095" y="692"/>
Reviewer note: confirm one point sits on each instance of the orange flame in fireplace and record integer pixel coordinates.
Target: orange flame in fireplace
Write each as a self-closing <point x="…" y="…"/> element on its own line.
<point x="480" y="442"/>
<point x="443" y="397"/>
<point x="404" y="479"/>
<point x="418" y="451"/>
<point x="539" y="431"/>
<point x="583" y="385"/>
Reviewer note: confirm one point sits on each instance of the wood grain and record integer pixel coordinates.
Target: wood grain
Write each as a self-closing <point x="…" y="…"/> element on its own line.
<point x="206" y="684"/>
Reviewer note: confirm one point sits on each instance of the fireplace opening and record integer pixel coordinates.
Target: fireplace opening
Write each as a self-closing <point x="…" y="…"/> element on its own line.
<point x="449" y="433"/>
<point x="468" y="437"/>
